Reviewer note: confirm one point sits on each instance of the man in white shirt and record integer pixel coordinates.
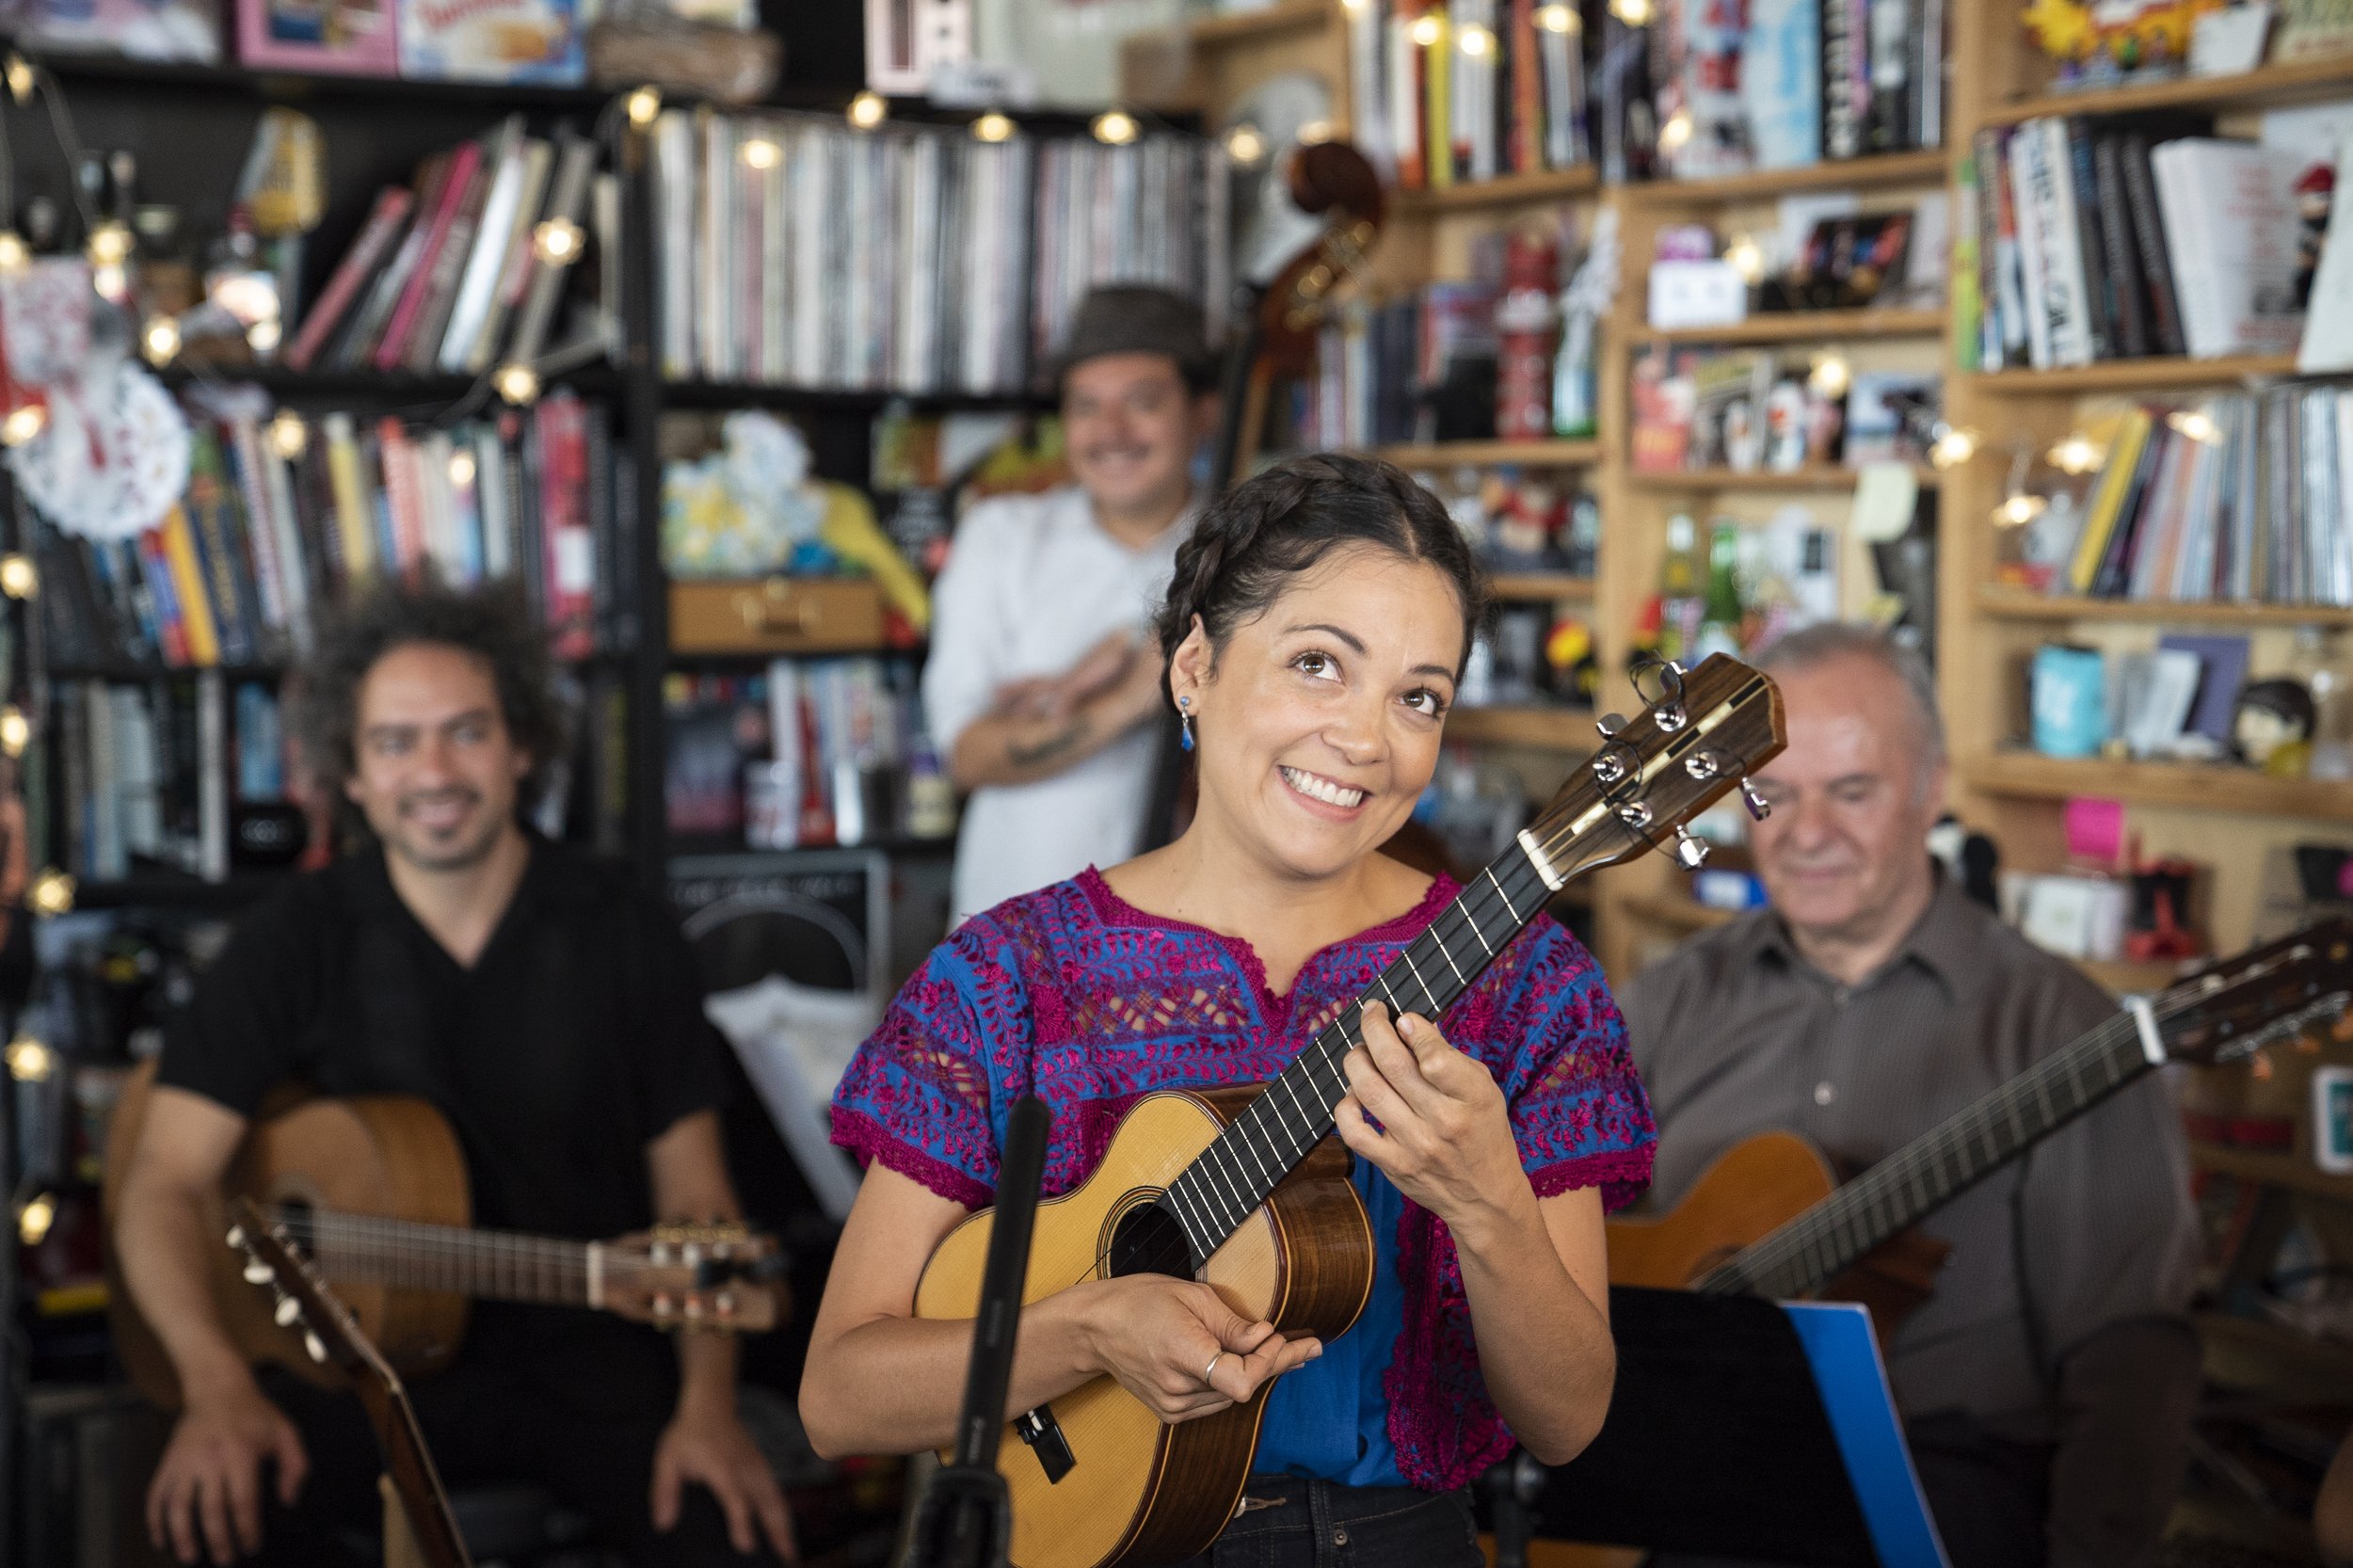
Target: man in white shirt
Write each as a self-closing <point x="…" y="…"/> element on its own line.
<point x="1041" y="688"/>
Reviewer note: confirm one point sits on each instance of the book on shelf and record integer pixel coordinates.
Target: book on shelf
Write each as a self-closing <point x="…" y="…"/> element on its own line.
<point x="2237" y="498"/>
<point x="2117" y="239"/>
<point x="241" y="568"/>
<point x="537" y="41"/>
<point x="795" y="250"/>
<point x="446" y="274"/>
<point x="1490" y="87"/>
<point x="303" y="35"/>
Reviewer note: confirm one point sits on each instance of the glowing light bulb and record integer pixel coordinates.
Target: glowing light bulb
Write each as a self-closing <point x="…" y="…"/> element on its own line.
<point x="2078" y="454"/>
<point x="993" y="126"/>
<point x="559" y="241"/>
<point x="517" y="383"/>
<point x="1634" y="13"/>
<point x="30" y="1061"/>
<point x="1425" y="31"/>
<point x="19" y="78"/>
<point x="462" y="468"/>
<point x="1474" y="40"/>
<point x="1314" y="132"/>
<point x="16" y="730"/>
<point x="1953" y="448"/>
<point x="50" y="892"/>
<point x="109" y="245"/>
<point x="1747" y="258"/>
<point x="643" y="106"/>
<point x="1676" y="132"/>
<point x="22" y="425"/>
<point x="14" y="253"/>
<point x="2196" y="424"/>
<point x="1558" y="19"/>
<point x="760" y="153"/>
<point x="111" y="282"/>
<point x="868" y="111"/>
<point x="1114" y="128"/>
<point x="1831" y="375"/>
<point x="160" y="342"/>
<point x="2019" y="509"/>
<point x="34" y="1219"/>
<point x="1245" y="146"/>
<point x="18" y="579"/>
<point x="288" y="436"/>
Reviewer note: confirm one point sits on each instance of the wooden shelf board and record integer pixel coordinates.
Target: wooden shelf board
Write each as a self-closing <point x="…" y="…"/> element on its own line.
<point x="1556" y="454"/>
<point x="2000" y="603"/>
<point x="1552" y="184"/>
<point x="1285" y="16"/>
<point x="1926" y="166"/>
<point x="1550" y="729"/>
<point x="1823" y="477"/>
<point x="1540" y="586"/>
<point x="2119" y="976"/>
<point x="2265" y="86"/>
<point x="1677" y="912"/>
<point x="2158" y="371"/>
<point x="2253" y="1336"/>
<point x="2272" y="1167"/>
<point x="1806" y="325"/>
<point x="2183" y="784"/>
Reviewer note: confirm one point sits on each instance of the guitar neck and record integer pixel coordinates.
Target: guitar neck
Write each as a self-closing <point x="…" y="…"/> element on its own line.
<point x="406" y="1255"/>
<point x="1237" y="1172"/>
<point x="1923" y="1176"/>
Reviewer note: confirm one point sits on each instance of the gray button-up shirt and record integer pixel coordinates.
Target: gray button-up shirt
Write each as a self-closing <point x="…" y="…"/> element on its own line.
<point x="1736" y="1034"/>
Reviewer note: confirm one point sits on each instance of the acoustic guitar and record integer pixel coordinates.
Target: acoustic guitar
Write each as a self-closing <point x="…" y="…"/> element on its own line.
<point x="1768" y="1218"/>
<point x="418" y="1528"/>
<point x="1243" y="1186"/>
<point x="373" y="1188"/>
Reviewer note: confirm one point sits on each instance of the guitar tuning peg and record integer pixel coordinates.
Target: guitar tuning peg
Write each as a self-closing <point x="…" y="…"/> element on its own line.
<point x="1753" y="798"/>
<point x="1609" y="724"/>
<point x="315" y="1346"/>
<point x="236" y="1237"/>
<point x="288" y="1311"/>
<point x="258" y="1272"/>
<point x="1690" y="853"/>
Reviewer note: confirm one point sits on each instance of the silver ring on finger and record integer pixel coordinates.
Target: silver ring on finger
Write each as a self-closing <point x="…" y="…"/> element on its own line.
<point x="1211" y="1367"/>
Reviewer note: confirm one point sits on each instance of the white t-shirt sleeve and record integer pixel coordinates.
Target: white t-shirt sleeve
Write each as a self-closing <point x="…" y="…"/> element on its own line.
<point x="970" y="640"/>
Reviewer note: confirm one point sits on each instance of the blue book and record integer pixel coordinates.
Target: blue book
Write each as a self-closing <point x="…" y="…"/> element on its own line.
<point x="1781" y="82"/>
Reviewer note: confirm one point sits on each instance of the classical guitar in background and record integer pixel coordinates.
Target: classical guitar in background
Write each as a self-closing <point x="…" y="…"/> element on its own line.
<point x="1768" y="1218"/>
<point x="372" y="1187"/>
<point x="1245" y="1187"/>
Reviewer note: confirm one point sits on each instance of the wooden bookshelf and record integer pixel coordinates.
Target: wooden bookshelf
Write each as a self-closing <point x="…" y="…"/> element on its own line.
<point x="1542" y="587"/>
<point x="1551" y="185"/>
<point x="1542" y="728"/>
<point x="1820" y="477"/>
<point x="1998" y="604"/>
<point x="2273" y="1168"/>
<point x="2269" y="87"/>
<point x="1552" y="454"/>
<point x="1881" y="172"/>
<point x="2156" y="373"/>
<point x="2199" y="788"/>
<point x="1805" y="327"/>
<point x="1679" y="912"/>
<point x="1246" y="27"/>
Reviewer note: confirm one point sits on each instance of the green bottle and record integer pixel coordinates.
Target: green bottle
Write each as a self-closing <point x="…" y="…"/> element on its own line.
<point x="1719" y="620"/>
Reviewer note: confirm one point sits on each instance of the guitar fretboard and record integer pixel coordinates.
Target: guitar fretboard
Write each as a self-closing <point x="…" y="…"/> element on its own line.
<point x="1931" y="1170"/>
<point x="1237" y="1172"/>
<point x="497" y="1265"/>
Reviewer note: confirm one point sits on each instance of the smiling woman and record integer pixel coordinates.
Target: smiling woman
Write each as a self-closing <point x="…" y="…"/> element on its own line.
<point x="1314" y="631"/>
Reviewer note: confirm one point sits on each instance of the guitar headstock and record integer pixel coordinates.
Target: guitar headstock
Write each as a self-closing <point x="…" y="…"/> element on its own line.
<point x="2234" y="1008"/>
<point x="1702" y="732"/>
<point x="718" y="1275"/>
<point x="274" y="1259"/>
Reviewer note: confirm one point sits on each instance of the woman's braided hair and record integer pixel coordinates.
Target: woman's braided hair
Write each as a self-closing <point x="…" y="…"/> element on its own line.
<point x="1261" y="534"/>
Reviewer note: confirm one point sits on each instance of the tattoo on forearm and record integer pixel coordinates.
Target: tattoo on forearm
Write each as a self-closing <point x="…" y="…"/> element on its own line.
<point x="1025" y="755"/>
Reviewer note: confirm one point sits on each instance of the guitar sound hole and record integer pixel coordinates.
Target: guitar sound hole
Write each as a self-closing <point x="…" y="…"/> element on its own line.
<point x="1148" y="1241"/>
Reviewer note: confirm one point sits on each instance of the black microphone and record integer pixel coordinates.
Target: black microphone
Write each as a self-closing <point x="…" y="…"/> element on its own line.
<point x="965" y="1518"/>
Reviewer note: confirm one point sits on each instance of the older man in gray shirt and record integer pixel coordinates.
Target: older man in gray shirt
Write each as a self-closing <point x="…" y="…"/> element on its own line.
<point x="2048" y="1385"/>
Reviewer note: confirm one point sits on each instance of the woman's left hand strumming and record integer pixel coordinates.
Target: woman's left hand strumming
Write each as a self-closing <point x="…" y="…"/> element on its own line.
<point x="1444" y="1138"/>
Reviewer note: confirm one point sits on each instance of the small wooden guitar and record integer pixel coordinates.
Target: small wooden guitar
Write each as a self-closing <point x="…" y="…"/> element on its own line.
<point x="1243" y="1187"/>
<point x="267" y="1255"/>
<point x="1768" y="1218"/>
<point x="373" y="1187"/>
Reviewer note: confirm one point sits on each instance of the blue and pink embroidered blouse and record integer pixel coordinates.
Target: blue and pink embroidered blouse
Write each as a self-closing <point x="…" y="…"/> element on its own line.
<point x="1071" y="994"/>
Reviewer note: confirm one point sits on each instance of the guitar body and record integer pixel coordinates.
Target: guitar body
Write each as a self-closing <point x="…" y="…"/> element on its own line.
<point x="1143" y="1492"/>
<point x="1752" y="1189"/>
<point x="381" y="1156"/>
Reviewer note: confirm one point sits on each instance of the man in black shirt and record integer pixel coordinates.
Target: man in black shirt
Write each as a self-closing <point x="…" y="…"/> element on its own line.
<point x="551" y="1011"/>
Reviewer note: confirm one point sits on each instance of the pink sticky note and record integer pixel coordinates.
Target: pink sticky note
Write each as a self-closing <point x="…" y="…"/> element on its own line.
<point x="2095" y="829"/>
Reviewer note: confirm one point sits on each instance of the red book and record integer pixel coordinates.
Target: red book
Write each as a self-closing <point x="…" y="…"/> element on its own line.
<point x="171" y="630"/>
<point x="393" y="349"/>
<point x="399" y="459"/>
<point x="360" y="262"/>
<point x="1526" y="152"/>
<point x="569" y="571"/>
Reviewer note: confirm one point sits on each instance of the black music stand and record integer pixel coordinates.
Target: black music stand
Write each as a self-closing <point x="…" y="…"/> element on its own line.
<point x="966" y="1519"/>
<point x="1734" y="1432"/>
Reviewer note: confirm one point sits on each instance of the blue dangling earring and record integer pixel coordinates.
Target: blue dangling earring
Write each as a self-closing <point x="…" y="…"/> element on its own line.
<point x="1184" y="720"/>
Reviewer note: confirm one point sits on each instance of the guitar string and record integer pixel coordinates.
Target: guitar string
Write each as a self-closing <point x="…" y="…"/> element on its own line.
<point x="367" y="1246"/>
<point x="1830" y="1237"/>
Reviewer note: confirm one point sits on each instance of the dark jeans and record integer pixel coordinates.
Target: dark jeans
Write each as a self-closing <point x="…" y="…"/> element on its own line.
<point x="487" y="1421"/>
<point x="1289" y="1523"/>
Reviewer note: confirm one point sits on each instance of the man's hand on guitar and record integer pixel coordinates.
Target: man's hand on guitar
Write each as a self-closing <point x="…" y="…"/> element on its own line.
<point x="206" y="1498"/>
<point x="1445" y="1137"/>
<point x="709" y="1446"/>
<point x="1158" y="1336"/>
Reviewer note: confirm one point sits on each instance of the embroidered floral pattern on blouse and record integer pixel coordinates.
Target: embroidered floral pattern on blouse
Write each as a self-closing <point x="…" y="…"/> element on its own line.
<point x="1071" y="994"/>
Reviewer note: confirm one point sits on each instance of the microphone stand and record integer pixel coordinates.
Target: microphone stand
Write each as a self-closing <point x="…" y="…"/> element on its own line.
<point x="965" y="1518"/>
